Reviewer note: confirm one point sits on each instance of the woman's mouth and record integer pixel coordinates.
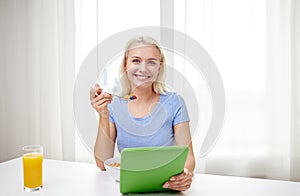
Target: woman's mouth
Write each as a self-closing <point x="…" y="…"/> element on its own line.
<point x="141" y="77"/>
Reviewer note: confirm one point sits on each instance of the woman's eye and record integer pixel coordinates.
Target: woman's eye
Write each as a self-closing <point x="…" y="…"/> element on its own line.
<point x="136" y="61"/>
<point x="152" y="63"/>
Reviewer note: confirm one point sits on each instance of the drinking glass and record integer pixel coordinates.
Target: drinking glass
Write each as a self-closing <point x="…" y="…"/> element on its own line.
<point x="33" y="167"/>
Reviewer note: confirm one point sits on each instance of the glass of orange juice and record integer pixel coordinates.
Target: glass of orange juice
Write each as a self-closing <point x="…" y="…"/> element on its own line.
<point x="33" y="168"/>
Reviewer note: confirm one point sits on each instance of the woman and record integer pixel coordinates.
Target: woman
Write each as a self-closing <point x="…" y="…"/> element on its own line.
<point x="155" y="118"/>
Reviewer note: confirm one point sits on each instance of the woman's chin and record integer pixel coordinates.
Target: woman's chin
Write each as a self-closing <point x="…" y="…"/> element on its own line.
<point x="142" y="85"/>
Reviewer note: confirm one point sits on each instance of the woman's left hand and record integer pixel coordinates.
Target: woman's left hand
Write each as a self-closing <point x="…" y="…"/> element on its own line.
<point x="180" y="182"/>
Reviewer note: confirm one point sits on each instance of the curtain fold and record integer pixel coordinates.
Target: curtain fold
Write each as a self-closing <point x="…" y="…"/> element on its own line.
<point x="295" y="109"/>
<point x="37" y="77"/>
<point x="278" y="86"/>
<point x="282" y="94"/>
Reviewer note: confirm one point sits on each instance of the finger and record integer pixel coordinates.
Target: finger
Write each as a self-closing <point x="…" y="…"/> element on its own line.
<point x="98" y="102"/>
<point x="106" y="95"/>
<point x="102" y="108"/>
<point x="181" y="188"/>
<point x="94" y="92"/>
<point x="177" y="182"/>
<point x="183" y="175"/>
<point x="182" y="181"/>
<point x="100" y="97"/>
<point x="102" y="101"/>
<point x="180" y="184"/>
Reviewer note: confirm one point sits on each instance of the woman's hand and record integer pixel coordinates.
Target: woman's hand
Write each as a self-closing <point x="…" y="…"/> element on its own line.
<point x="180" y="182"/>
<point x="100" y="100"/>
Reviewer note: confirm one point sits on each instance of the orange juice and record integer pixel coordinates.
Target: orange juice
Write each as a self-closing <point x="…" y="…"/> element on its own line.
<point x="33" y="170"/>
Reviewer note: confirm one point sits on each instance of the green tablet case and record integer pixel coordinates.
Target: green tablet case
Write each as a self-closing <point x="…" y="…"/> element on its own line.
<point x="147" y="169"/>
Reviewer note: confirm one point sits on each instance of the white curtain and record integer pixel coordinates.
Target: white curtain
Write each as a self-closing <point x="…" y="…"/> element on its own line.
<point x="283" y="87"/>
<point x="295" y="94"/>
<point x="255" y="45"/>
<point x="37" y="77"/>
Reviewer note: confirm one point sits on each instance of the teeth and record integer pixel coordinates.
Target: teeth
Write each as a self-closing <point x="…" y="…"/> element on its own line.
<point x="141" y="77"/>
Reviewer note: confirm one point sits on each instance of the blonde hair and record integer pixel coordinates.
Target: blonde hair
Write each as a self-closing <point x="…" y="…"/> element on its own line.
<point x="159" y="85"/>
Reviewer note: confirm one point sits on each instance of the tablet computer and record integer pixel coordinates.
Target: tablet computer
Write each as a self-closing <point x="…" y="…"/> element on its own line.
<point x="147" y="169"/>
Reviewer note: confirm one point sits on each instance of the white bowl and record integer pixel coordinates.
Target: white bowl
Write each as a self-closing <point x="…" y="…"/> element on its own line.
<point x="113" y="171"/>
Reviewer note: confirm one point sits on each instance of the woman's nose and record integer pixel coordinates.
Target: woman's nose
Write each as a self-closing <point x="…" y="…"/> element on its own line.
<point x="143" y="66"/>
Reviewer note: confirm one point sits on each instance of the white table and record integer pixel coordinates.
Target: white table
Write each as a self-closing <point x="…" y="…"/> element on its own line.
<point x="73" y="178"/>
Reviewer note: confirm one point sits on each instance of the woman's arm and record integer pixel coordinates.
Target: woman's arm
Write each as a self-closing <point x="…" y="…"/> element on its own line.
<point x="105" y="141"/>
<point x="183" y="138"/>
<point x="183" y="181"/>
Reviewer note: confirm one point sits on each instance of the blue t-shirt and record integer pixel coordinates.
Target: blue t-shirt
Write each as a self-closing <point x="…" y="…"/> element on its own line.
<point x="156" y="129"/>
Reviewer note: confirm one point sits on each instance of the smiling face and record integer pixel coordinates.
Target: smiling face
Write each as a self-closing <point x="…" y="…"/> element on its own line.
<point x="142" y="65"/>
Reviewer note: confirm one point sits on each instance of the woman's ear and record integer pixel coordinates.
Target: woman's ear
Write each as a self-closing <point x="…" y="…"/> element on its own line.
<point x="125" y="66"/>
<point x="159" y="68"/>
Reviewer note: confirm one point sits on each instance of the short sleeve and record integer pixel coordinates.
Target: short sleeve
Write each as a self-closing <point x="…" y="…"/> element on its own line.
<point x="180" y="110"/>
<point x="111" y="114"/>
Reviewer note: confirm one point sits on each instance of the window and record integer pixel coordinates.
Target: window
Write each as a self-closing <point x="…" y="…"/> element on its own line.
<point x="97" y="20"/>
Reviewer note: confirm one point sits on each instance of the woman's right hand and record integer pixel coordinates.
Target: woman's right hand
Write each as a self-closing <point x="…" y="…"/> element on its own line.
<point x="100" y="100"/>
